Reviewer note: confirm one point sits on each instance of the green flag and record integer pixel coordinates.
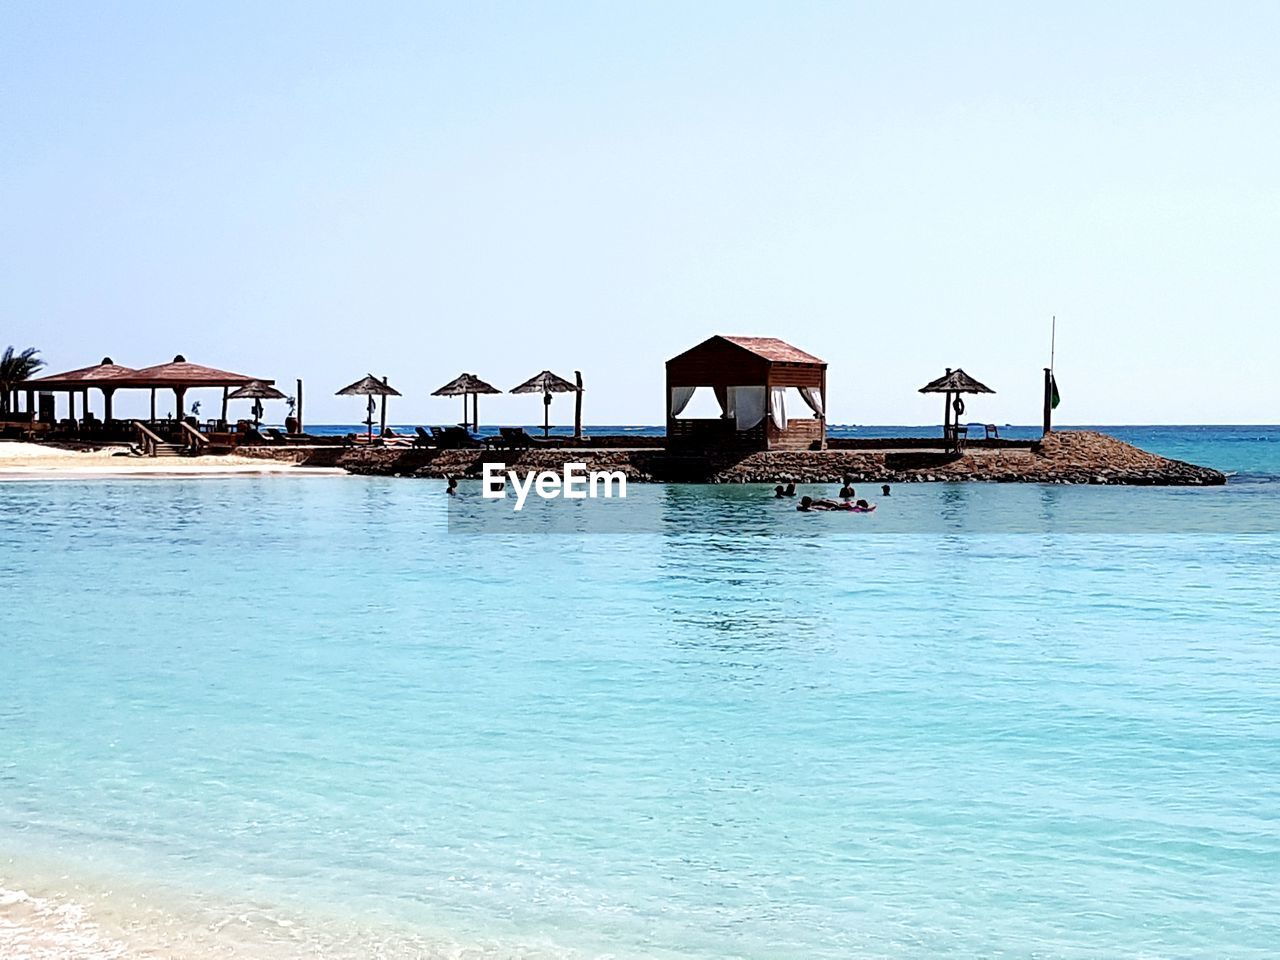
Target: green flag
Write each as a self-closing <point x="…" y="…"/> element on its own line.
<point x="1054" y="399"/>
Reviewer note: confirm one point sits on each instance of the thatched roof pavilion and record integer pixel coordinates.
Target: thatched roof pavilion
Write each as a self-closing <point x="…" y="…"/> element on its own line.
<point x="257" y="392"/>
<point x="370" y="386"/>
<point x="547" y="383"/>
<point x="955" y="381"/>
<point x="467" y="385"/>
<point x="749" y="376"/>
<point x="952" y="384"/>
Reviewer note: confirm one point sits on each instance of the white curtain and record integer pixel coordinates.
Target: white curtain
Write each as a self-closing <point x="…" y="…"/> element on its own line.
<point x="778" y="407"/>
<point x="680" y="399"/>
<point x="748" y="405"/>
<point x="813" y="397"/>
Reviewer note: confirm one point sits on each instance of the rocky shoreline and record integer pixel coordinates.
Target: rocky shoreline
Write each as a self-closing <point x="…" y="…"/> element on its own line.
<point x="1076" y="457"/>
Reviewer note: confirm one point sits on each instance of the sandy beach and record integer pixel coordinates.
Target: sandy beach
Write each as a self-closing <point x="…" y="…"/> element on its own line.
<point x="34" y="461"/>
<point x="61" y="918"/>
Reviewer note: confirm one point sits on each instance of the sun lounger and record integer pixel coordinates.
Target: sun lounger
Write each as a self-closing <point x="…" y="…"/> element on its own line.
<point x="455" y="438"/>
<point x="517" y="438"/>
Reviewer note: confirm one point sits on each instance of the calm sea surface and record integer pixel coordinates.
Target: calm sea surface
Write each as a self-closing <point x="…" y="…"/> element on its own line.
<point x="300" y="717"/>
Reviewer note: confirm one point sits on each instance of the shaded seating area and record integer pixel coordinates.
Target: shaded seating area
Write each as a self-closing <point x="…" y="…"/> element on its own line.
<point x="750" y="378"/>
<point x="178" y="431"/>
<point x="951" y="385"/>
<point x="547" y="383"/>
<point x="370" y="386"/>
<point x="467" y="385"/>
<point x="76" y="384"/>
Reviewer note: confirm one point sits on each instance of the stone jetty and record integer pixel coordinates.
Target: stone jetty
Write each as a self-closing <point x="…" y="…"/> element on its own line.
<point x="1081" y="457"/>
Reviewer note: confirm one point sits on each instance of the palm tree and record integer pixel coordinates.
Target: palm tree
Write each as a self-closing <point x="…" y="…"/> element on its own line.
<point x="15" y="369"/>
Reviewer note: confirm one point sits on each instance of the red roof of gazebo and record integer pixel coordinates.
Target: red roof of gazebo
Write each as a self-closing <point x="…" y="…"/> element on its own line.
<point x="83" y="377"/>
<point x="773" y="349"/>
<point x="180" y="373"/>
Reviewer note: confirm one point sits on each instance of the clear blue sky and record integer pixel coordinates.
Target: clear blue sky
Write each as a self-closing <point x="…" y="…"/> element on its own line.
<point x="417" y="189"/>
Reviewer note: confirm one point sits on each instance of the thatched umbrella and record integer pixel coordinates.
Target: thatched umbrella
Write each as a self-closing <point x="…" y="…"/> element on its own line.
<point x="257" y="392"/>
<point x="465" y="385"/>
<point x="952" y="384"/>
<point x="370" y="386"/>
<point x="546" y="383"/>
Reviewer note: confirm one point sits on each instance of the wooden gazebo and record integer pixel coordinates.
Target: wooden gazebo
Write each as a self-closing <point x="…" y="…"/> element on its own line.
<point x="101" y="376"/>
<point x="749" y="376"/>
<point x="180" y="376"/>
<point x="108" y="377"/>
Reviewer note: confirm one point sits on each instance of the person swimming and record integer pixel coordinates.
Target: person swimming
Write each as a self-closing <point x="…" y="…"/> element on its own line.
<point x="452" y="488"/>
<point x="825" y="504"/>
<point x="808" y="504"/>
<point x="778" y="492"/>
<point x="791" y="490"/>
<point x="885" y="489"/>
<point x="846" y="492"/>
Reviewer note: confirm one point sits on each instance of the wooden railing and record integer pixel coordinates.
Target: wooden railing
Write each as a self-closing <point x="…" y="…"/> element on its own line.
<point x="148" y="440"/>
<point x="193" y="439"/>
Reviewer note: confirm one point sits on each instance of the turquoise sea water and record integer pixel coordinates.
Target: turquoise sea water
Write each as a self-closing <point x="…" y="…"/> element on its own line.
<point x="303" y="715"/>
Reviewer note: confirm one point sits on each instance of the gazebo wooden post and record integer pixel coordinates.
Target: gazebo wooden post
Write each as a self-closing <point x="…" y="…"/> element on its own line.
<point x="84" y="405"/>
<point x="225" y="392"/>
<point x="71" y="405"/>
<point x="577" y="406"/>
<point x="179" y="403"/>
<point x="666" y="406"/>
<point x="946" y="415"/>
<point x="31" y="404"/>
<point x="153" y="404"/>
<point x="822" y="417"/>
<point x="107" y="394"/>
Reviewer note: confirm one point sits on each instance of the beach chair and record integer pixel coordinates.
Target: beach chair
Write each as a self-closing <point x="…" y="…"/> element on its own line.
<point x="423" y="439"/>
<point x="992" y="431"/>
<point x="456" y="438"/>
<point x="517" y="438"/>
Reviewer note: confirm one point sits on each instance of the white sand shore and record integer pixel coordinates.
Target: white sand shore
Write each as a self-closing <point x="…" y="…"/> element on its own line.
<point x="34" y="461"/>
<point x="121" y="921"/>
<point x="41" y="928"/>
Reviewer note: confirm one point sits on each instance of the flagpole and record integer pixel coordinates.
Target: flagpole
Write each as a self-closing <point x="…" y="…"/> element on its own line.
<point x="1053" y="341"/>
<point x="1048" y="377"/>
